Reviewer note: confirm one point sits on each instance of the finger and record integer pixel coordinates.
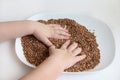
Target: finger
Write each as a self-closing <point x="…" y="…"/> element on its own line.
<point x="55" y="25"/>
<point x="46" y="41"/>
<point x="58" y="27"/>
<point x="79" y="58"/>
<point x="61" y="32"/>
<point x="65" y="27"/>
<point x="60" y="36"/>
<point x="65" y="45"/>
<point x="76" y="51"/>
<point x="72" y="47"/>
<point x="51" y="47"/>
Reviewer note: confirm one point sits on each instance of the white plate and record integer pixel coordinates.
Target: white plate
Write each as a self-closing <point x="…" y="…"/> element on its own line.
<point x="103" y="34"/>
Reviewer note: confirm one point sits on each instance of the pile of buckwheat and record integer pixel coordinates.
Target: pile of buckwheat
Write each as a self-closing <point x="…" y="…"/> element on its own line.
<point x="36" y="52"/>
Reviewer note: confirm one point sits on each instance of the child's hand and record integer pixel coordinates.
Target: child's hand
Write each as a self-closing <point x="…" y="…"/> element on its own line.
<point x="14" y="29"/>
<point x="58" y="60"/>
<point x="43" y="32"/>
<point x="66" y="55"/>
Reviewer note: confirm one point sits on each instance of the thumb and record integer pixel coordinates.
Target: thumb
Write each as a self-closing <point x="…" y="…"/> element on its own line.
<point x="46" y="41"/>
<point x="51" y="49"/>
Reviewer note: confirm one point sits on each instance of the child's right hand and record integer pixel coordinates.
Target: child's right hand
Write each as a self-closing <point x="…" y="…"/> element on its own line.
<point x="66" y="55"/>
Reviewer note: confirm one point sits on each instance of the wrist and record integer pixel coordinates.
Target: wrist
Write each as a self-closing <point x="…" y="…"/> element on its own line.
<point x="30" y="26"/>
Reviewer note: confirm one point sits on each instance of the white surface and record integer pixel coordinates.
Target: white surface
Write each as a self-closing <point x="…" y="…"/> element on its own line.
<point x="108" y="11"/>
<point x="102" y="32"/>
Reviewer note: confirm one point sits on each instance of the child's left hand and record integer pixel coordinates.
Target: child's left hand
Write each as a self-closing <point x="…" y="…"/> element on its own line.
<point x="42" y="32"/>
<point x="45" y="31"/>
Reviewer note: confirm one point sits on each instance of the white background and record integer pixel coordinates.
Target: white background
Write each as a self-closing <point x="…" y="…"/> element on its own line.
<point x="108" y="11"/>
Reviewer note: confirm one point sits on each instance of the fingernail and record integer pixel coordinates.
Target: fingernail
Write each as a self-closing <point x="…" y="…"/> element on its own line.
<point x="75" y="43"/>
<point x="68" y="40"/>
<point x="69" y="34"/>
<point x="66" y="30"/>
<point x="83" y="56"/>
<point x="65" y="27"/>
<point x="80" y="49"/>
<point x="68" y="37"/>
